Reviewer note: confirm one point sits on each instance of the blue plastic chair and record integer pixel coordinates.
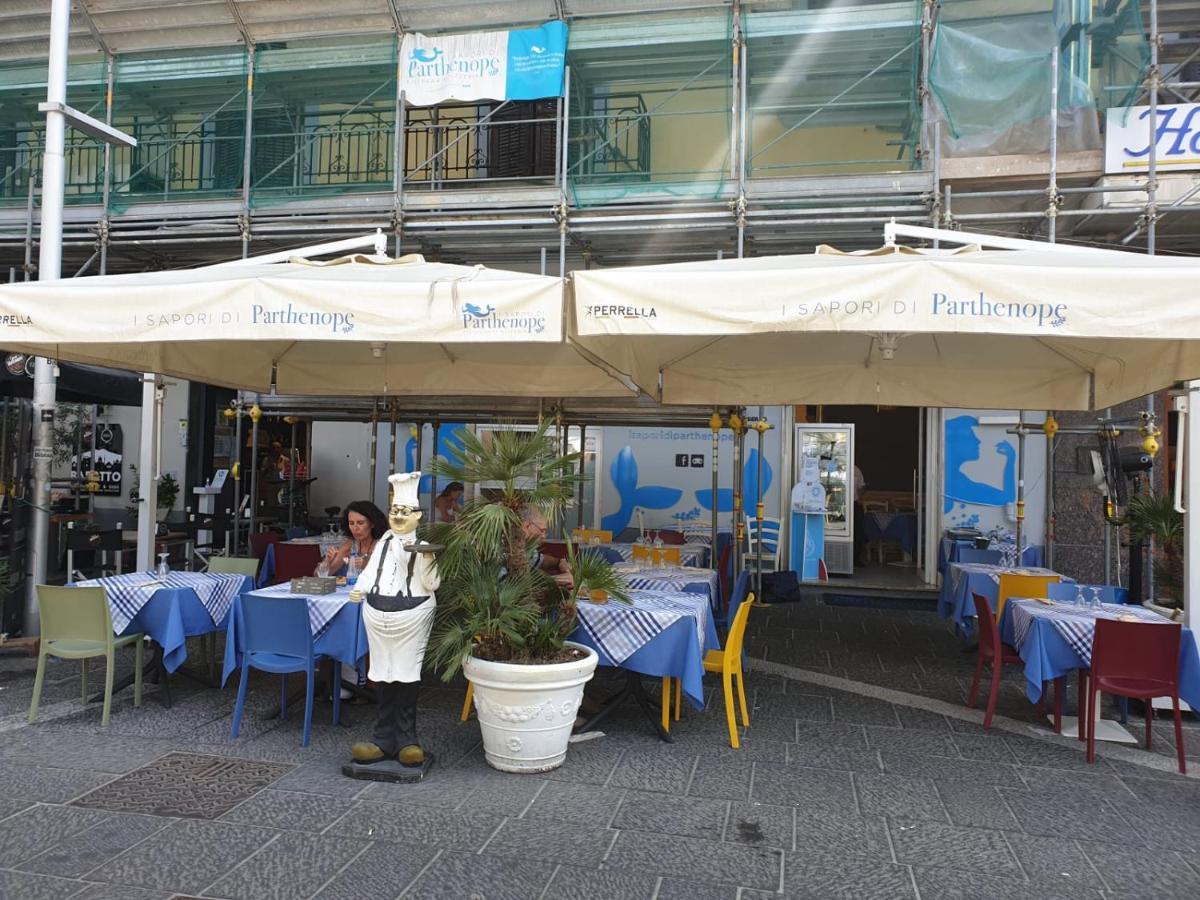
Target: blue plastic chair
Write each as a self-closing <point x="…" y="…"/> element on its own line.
<point x="275" y="637"/>
<point x="1068" y="591"/>
<point x="613" y="556"/>
<point x="974" y="555"/>
<point x="740" y="587"/>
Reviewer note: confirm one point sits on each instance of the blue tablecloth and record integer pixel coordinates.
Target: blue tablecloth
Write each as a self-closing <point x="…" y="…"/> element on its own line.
<point x="1048" y="654"/>
<point x="342" y="638"/>
<point x="899" y="527"/>
<point x="948" y="553"/>
<point x="170" y="617"/>
<point x="675" y="651"/>
<point x="964" y="579"/>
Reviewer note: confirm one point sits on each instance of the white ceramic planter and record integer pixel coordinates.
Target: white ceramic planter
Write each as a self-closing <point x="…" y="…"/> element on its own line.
<point x="526" y="713"/>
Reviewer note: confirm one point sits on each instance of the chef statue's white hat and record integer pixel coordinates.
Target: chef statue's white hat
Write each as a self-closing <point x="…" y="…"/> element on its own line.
<point x="404" y="489"/>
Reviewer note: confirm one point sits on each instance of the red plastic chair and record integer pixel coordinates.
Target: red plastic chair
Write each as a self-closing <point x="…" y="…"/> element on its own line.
<point x="1139" y="660"/>
<point x="993" y="652"/>
<point x="295" y="561"/>
<point x="260" y="541"/>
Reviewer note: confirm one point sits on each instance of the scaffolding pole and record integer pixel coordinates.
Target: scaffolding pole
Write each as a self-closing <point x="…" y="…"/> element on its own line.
<point x="247" y="152"/>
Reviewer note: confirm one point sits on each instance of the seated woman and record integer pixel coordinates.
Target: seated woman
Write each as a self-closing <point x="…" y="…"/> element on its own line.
<point x="366" y="524"/>
<point x="445" y="507"/>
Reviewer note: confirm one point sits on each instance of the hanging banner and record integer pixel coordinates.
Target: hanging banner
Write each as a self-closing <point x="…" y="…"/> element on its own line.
<point x="108" y="459"/>
<point x="526" y="64"/>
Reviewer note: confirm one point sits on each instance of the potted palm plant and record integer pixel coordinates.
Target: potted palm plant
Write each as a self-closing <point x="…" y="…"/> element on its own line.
<point x="502" y="620"/>
<point x="1153" y="517"/>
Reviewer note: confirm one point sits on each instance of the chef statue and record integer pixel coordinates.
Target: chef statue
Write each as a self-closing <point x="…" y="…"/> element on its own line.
<point x="397" y="592"/>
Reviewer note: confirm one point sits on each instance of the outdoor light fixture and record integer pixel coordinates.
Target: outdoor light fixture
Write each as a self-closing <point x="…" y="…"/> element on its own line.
<point x="887" y="344"/>
<point x="377" y="349"/>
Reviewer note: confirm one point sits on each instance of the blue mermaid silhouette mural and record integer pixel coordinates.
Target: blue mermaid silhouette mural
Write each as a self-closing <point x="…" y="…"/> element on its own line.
<point x="749" y="487"/>
<point x="962" y="447"/>
<point x="624" y="475"/>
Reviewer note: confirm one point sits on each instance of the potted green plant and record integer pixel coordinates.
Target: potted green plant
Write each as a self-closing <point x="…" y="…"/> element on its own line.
<point x="502" y="620"/>
<point x="165" y="496"/>
<point x="1153" y="517"/>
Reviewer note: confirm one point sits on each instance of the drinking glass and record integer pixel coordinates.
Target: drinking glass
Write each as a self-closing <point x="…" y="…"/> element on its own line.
<point x="1080" y="600"/>
<point x="354" y="567"/>
<point x="1096" y="602"/>
<point x="164" y="567"/>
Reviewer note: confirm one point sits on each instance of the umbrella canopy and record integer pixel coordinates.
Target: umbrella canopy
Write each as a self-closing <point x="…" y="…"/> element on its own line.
<point x="357" y="325"/>
<point x="991" y="329"/>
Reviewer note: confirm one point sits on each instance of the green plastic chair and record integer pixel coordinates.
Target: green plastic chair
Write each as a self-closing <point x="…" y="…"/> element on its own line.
<point x="233" y="565"/>
<point x="77" y="624"/>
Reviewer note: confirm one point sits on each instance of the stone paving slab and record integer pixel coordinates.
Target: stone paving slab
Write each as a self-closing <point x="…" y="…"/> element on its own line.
<point x="840" y="789"/>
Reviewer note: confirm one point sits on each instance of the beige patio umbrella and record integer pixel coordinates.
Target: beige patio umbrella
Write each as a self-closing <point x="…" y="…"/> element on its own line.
<point x="977" y="328"/>
<point x="360" y="325"/>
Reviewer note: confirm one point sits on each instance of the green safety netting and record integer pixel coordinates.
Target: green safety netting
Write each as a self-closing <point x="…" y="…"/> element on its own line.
<point x="991" y="74"/>
<point x="833" y="90"/>
<point x="650" y="108"/>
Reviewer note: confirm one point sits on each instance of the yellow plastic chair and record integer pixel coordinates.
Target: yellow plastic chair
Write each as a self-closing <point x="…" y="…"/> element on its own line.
<point x="585" y="535"/>
<point x="233" y="565"/>
<point x="728" y="662"/>
<point x="1022" y="586"/>
<point x="77" y="624"/>
<point x="466" y="710"/>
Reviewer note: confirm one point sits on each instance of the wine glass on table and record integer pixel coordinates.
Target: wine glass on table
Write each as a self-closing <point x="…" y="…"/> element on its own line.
<point x="164" y="568"/>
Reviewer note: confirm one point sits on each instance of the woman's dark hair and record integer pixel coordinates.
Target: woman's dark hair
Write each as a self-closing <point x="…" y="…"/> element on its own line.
<point x="370" y="512"/>
<point x="451" y="488"/>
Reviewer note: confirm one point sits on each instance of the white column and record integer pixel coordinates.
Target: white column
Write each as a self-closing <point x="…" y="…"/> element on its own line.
<point x="1191" y="503"/>
<point x="148" y="458"/>
<point x="49" y="269"/>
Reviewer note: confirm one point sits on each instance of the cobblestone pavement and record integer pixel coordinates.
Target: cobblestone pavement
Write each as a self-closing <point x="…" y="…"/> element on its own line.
<point x="862" y="775"/>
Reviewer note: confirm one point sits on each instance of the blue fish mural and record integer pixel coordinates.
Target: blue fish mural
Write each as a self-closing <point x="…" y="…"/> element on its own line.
<point x="448" y="442"/>
<point x="749" y="487"/>
<point x="624" y="475"/>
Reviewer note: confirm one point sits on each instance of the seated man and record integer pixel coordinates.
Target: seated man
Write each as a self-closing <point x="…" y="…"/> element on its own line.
<point x="535" y="530"/>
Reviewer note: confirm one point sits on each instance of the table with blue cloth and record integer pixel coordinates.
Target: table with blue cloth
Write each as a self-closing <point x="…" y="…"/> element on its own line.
<point x="1054" y="639"/>
<point x="948" y="552"/>
<point x="659" y="633"/>
<point x="334" y="619"/>
<point x="689" y="554"/>
<point x="964" y="579"/>
<point x="646" y="577"/>
<point x="900" y="527"/>
<point x="170" y="608"/>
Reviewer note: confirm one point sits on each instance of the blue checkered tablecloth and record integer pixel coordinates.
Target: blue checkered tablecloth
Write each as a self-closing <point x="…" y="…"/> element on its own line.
<point x="321" y="607"/>
<point x="642" y="577"/>
<point x="1076" y="624"/>
<point x="621" y="629"/>
<point x="128" y="593"/>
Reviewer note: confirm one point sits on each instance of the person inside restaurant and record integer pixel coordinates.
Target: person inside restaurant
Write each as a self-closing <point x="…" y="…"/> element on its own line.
<point x="365" y="524"/>
<point x="448" y="502"/>
<point x="535" y="530"/>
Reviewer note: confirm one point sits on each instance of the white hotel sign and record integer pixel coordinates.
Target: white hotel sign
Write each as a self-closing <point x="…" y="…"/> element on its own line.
<point x="1127" y="138"/>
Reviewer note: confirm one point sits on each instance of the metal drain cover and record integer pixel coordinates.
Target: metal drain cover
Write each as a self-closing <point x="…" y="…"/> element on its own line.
<point x="185" y="784"/>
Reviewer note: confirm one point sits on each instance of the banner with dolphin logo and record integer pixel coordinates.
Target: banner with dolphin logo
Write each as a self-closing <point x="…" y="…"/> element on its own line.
<point x="524" y="64"/>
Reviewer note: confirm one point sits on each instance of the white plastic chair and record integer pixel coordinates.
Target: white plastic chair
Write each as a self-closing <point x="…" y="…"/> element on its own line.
<point x="771" y="531"/>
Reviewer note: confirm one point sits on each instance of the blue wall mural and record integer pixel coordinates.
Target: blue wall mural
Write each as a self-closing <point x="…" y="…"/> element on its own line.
<point x="448" y="442"/>
<point x="624" y="475"/>
<point x="750" y="487"/>
<point x="962" y="447"/>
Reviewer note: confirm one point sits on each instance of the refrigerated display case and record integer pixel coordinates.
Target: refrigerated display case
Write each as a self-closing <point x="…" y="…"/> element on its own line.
<point x="833" y="447"/>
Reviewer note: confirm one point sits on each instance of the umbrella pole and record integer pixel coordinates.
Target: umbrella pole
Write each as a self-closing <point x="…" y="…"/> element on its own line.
<point x="374" y="447"/>
<point x="1020" y="485"/>
<point x="433" y="483"/>
<point x="236" y="465"/>
<point x="392" y="446"/>
<point x="253" y="469"/>
<point x="582" y="475"/>
<point x="292" y="459"/>
<point x="739" y="528"/>
<point x="761" y="426"/>
<point x="715" y="424"/>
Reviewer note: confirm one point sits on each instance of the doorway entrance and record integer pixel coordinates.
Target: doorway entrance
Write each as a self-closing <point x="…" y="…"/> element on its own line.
<point x="888" y="481"/>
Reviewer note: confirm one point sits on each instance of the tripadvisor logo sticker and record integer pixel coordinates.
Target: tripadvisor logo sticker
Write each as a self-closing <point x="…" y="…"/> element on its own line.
<point x="477" y="317"/>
